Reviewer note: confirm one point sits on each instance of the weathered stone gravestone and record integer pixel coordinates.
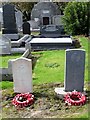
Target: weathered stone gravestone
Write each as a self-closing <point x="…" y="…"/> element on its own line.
<point x="26" y="28"/>
<point x="5" y="45"/>
<point x="22" y="75"/>
<point x="9" y="22"/>
<point x="19" y="20"/>
<point x="74" y="69"/>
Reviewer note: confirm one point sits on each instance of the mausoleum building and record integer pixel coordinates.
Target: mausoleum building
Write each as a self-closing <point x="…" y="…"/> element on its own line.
<point x="44" y="12"/>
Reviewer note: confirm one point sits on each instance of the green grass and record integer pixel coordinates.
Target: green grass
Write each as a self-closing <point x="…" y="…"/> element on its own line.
<point x="4" y="59"/>
<point x="49" y="69"/>
<point x="50" y="65"/>
<point x="6" y="84"/>
<point x="45" y="72"/>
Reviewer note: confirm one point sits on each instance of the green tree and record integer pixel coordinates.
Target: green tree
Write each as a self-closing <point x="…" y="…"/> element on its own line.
<point x="76" y="18"/>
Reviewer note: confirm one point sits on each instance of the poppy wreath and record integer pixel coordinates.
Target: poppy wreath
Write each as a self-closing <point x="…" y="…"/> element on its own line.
<point x="75" y="98"/>
<point x="23" y="100"/>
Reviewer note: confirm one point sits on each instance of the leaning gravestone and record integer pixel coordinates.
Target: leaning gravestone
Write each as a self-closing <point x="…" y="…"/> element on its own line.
<point x="22" y="75"/>
<point x="26" y="28"/>
<point x="74" y="71"/>
<point x="5" y="45"/>
<point x="9" y="22"/>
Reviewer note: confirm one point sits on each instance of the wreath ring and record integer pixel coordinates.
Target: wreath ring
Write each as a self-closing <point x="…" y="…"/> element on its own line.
<point x="23" y="100"/>
<point x="75" y="98"/>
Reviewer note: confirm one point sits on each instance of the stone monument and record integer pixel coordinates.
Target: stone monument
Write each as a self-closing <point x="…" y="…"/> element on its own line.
<point x="74" y="72"/>
<point x="5" y="45"/>
<point x="9" y="22"/>
<point x="74" y="69"/>
<point x="22" y="75"/>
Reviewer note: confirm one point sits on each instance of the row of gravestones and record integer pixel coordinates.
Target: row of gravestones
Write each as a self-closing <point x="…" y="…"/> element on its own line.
<point x="9" y="22"/>
<point x="7" y="47"/>
<point x="74" y="72"/>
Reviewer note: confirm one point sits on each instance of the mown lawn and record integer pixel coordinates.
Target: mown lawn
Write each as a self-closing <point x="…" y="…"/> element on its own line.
<point x="4" y="59"/>
<point x="50" y="65"/>
<point x="47" y="74"/>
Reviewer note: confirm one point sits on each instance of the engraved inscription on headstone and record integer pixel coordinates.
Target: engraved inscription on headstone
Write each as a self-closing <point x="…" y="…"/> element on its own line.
<point x="22" y="75"/>
<point x="74" y="71"/>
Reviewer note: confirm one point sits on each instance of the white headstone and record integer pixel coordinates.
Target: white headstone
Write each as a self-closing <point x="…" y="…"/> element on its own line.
<point x="74" y="69"/>
<point x="22" y="75"/>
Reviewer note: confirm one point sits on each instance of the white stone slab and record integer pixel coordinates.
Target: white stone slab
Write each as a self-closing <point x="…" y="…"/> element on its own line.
<point x="22" y="75"/>
<point x="51" y="40"/>
<point x="60" y="92"/>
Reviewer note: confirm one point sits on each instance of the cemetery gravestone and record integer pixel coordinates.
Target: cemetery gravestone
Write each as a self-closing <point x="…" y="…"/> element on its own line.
<point x="22" y="75"/>
<point x="5" y="45"/>
<point x="26" y="28"/>
<point x="74" y="71"/>
<point x="9" y="22"/>
<point x="19" y="21"/>
<point x="50" y="31"/>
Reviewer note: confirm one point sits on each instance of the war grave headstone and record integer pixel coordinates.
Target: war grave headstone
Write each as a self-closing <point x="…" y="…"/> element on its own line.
<point x="5" y="45"/>
<point x="9" y="22"/>
<point x="22" y="75"/>
<point x="26" y="28"/>
<point x="74" y="71"/>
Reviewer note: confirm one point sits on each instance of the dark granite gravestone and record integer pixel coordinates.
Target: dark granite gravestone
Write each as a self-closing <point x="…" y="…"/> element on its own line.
<point x="26" y="28"/>
<point x="74" y="71"/>
<point x="52" y="31"/>
<point x="9" y="21"/>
